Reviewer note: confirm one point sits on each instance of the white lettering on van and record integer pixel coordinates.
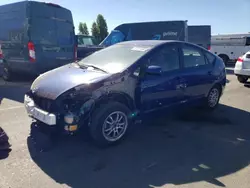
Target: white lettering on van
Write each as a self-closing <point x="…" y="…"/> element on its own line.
<point x="170" y="33"/>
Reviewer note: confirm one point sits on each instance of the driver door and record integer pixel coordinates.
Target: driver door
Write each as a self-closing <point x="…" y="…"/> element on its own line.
<point x="160" y="91"/>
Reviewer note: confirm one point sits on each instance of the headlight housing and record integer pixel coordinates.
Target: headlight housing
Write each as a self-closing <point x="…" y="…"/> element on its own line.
<point x="69" y="118"/>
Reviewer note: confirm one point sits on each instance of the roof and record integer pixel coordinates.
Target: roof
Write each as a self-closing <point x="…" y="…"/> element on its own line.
<point x="151" y="43"/>
<point x="149" y="22"/>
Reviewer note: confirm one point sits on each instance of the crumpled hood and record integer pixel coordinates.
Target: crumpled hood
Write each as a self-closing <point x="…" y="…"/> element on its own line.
<point x="55" y="82"/>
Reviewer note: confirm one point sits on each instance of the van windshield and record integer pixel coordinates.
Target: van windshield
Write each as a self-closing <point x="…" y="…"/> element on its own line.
<point x="85" y="40"/>
<point x="114" y="37"/>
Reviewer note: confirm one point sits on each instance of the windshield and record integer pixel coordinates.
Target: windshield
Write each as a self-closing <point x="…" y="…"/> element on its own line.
<point x="85" y="40"/>
<point x="115" y="58"/>
<point x="114" y="37"/>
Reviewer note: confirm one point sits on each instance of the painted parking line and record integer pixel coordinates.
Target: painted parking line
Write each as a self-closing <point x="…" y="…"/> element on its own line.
<point x="11" y="108"/>
<point x="24" y="84"/>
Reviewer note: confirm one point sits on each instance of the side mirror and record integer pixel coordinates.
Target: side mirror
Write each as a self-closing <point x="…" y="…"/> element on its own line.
<point x="154" y="70"/>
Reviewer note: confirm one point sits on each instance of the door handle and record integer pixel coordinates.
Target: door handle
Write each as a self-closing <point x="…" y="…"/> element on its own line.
<point x="181" y="86"/>
<point x="209" y="72"/>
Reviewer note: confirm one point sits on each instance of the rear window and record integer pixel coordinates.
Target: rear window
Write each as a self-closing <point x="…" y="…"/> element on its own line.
<point x="65" y="33"/>
<point x="43" y="31"/>
<point x="49" y="11"/>
<point x="210" y="57"/>
<point x="51" y="24"/>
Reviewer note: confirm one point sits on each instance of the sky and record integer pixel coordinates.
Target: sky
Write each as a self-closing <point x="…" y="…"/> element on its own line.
<point x="224" y="16"/>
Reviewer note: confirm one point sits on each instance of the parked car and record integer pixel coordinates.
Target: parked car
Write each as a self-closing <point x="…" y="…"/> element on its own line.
<point x="242" y="68"/>
<point x="86" y="45"/>
<point x="35" y="37"/>
<point x="110" y="88"/>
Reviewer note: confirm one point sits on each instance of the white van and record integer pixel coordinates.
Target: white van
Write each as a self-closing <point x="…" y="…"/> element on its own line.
<point x="230" y="47"/>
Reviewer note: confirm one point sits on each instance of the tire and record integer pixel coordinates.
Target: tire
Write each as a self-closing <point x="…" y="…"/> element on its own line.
<point x="213" y="98"/>
<point x="7" y="73"/>
<point x="101" y="115"/>
<point x="242" y="79"/>
<point x="225" y="59"/>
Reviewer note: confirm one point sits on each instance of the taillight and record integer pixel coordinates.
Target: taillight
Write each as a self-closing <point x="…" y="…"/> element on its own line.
<point x="209" y="48"/>
<point x="240" y="59"/>
<point x="75" y="52"/>
<point x="32" y="53"/>
<point x="1" y="52"/>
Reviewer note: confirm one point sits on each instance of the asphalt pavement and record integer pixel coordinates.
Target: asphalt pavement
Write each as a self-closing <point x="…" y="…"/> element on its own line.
<point x="191" y="149"/>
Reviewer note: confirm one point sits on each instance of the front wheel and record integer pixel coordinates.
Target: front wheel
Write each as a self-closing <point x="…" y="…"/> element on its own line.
<point x="242" y="79"/>
<point x="109" y="124"/>
<point x="213" y="98"/>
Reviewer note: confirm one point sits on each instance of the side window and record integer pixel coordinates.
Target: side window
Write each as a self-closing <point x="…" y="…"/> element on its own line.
<point x="192" y="57"/>
<point x="210" y="57"/>
<point x="167" y="58"/>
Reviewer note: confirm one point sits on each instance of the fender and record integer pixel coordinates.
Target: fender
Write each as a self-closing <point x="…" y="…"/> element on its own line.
<point x="121" y="97"/>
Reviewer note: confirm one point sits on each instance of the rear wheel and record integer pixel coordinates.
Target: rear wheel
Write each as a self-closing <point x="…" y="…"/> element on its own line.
<point x="242" y="79"/>
<point x="213" y="98"/>
<point x="109" y="124"/>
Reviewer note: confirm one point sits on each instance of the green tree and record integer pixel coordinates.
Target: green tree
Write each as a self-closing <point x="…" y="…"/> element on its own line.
<point x="102" y="27"/>
<point x="80" y="28"/>
<point x="95" y="32"/>
<point x="83" y="28"/>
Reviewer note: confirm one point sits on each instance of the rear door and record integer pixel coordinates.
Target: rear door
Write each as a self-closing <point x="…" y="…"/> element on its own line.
<point x="246" y="61"/>
<point x="13" y="34"/>
<point x="197" y="72"/>
<point x="65" y="33"/>
<point x="200" y="35"/>
<point x="52" y="35"/>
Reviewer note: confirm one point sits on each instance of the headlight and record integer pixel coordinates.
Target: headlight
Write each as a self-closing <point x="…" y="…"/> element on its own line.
<point x="29" y="101"/>
<point x="69" y="118"/>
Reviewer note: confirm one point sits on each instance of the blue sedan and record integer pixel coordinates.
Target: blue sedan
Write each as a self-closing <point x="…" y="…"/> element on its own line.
<point x="110" y="88"/>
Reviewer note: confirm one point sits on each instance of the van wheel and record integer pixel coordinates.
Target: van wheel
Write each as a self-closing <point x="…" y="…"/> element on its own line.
<point x="109" y="124"/>
<point x="7" y="74"/>
<point x="242" y="79"/>
<point x="225" y="58"/>
<point x="213" y="98"/>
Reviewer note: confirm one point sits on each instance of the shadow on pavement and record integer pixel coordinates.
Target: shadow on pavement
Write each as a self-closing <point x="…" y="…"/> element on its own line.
<point x="247" y="84"/>
<point x="192" y="147"/>
<point x="14" y="90"/>
<point x="4" y="144"/>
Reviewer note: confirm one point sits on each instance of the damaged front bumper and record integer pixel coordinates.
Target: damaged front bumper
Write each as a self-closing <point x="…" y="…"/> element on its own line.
<point x="68" y="121"/>
<point x="37" y="113"/>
